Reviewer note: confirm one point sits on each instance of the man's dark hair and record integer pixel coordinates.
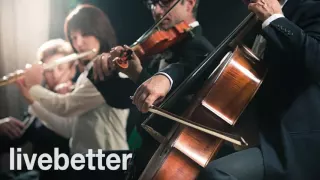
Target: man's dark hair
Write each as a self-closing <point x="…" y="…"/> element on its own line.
<point x="90" y="20"/>
<point x="195" y="8"/>
<point x="148" y="3"/>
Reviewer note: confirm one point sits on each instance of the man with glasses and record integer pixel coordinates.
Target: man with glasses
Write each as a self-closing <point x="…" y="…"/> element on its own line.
<point x="167" y="69"/>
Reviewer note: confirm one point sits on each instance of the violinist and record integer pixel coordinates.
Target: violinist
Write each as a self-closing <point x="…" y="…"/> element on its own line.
<point x="168" y="69"/>
<point x="287" y="104"/>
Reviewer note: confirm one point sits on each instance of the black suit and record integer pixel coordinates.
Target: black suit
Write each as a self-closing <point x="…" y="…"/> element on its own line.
<point x="187" y="54"/>
<point x="293" y="79"/>
<point x="287" y="104"/>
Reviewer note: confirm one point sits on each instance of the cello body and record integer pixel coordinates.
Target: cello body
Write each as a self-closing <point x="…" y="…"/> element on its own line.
<point x="218" y="104"/>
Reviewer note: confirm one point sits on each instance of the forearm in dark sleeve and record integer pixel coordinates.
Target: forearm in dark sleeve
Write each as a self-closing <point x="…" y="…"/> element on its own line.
<point x="115" y="90"/>
<point x="303" y="42"/>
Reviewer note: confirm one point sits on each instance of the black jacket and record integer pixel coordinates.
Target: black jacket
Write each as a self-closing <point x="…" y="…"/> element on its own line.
<point x="288" y="101"/>
<point x="187" y="55"/>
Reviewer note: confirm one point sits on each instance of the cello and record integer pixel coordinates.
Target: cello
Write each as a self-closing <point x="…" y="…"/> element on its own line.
<point x="218" y="105"/>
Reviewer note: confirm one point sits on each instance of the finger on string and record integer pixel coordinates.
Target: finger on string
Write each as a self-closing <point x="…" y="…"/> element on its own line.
<point x="116" y="51"/>
<point x="111" y="64"/>
<point x="105" y="65"/>
<point x="117" y="61"/>
<point x="95" y="67"/>
<point x="127" y="47"/>
<point x="99" y="68"/>
<point x="133" y="55"/>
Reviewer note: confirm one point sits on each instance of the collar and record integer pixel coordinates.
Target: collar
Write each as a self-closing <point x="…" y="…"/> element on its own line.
<point x="194" y="24"/>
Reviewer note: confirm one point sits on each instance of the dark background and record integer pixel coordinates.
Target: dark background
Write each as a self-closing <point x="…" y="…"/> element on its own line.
<point x="131" y="18"/>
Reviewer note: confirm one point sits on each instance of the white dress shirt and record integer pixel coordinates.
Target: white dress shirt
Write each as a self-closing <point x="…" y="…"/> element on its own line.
<point x="260" y="43"/>
<point x="83" y="116"/>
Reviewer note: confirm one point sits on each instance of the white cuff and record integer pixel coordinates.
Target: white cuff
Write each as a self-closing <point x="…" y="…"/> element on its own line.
<point x="4" y="120"/>
<point x="167" y="75"/>
<point x="270" y="19"/>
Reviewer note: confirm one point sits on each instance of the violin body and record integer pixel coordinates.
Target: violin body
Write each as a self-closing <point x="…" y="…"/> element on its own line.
<point x="157" y="42"/>
<point x="217" y="105"/>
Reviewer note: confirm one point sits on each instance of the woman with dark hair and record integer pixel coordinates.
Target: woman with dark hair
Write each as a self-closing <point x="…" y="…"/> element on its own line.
<point x="90" y="23"/>
<point x="82" y="115"/>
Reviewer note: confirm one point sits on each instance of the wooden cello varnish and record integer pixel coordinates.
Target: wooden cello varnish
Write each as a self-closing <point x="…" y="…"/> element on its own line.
<point x="217" y="105"/>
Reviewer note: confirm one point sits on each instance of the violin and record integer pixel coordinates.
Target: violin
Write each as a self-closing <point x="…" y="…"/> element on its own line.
<point x="155" y="41"/>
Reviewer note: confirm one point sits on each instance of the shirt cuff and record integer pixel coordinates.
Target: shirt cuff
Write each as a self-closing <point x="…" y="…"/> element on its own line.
<point x="4" y="120"/>
<point x="270" y="19"/>
<point x="167" y="75"/>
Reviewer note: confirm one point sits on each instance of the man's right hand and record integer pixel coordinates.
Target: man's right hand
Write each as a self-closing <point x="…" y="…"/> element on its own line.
<point x="11" y="127"/>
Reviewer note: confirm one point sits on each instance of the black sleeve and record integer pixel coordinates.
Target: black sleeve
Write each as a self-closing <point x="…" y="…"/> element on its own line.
<point x="189" y="59"/>
<point x="115" y="90"/>
<point x="301" y="42"/>
<point x="144" y="75"/>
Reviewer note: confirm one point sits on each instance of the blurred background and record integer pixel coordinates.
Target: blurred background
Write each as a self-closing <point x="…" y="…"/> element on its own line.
<point x="26" y="24"/>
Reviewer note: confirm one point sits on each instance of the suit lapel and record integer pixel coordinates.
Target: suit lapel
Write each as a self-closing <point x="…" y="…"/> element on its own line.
<point x="177" y="48"/>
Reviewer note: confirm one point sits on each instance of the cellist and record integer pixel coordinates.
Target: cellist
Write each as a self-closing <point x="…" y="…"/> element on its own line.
<point x="286" y="105"/>
<point x="172" y="66"/>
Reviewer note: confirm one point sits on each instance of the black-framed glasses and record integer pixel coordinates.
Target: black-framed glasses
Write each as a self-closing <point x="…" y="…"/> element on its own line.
<point x="162" y="3"/>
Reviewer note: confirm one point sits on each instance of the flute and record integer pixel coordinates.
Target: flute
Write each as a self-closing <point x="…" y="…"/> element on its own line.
<point x="12" y="77"/>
